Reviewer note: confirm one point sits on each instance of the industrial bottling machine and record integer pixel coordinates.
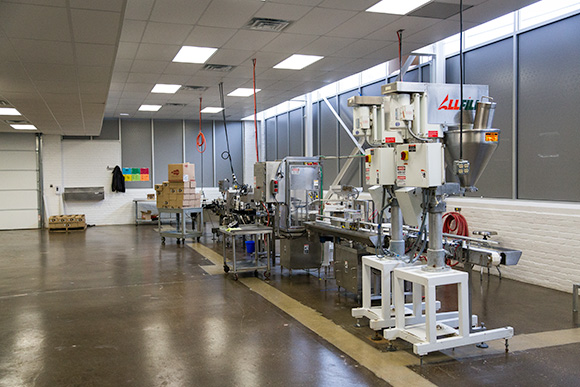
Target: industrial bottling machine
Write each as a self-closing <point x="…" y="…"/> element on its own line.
<point x="413" y="129"/>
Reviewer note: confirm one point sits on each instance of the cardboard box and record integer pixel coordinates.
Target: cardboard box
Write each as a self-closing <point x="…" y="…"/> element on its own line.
<point x="181" y="172"/>
<point x="146" y="215"/>
<point x="150" y="196"/>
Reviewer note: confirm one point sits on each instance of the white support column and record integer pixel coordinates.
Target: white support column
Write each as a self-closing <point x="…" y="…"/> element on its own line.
<point x="308" y="127"/>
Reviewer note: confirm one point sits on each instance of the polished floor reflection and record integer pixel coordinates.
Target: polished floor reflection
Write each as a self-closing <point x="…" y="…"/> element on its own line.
<point x="112" y="307"/>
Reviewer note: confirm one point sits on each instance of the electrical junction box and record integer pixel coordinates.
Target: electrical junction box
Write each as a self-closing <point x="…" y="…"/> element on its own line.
<point x="380" y="166"/>
<point x="264" y="174"/>
<point x="361" y="120"/>
<point x="420" y="165"/>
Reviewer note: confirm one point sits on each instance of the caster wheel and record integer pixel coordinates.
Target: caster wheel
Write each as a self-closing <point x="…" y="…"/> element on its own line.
<point x="256" y="273"/>
<point x="267" y="275"/>
<point x="178" y="241"/>
<point x="235" y="277"/>
<point x="226" y="269"/>
<point x="163" y="240"/>
<point x="198" y="239"/>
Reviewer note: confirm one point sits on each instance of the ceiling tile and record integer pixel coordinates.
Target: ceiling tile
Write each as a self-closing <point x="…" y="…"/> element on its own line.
<point x="148" y="66"/>
<point x="436" y="32"/>
<point x="143" y="78"/>
<point x="127" y="50"/>
<point x="94" y="74"/>
<point x="37" y="51"/>
<point x="283" y="11"/>
<point x="95" y="54"/>
<point x="230" y="56"/>
<point x="229" y="13"/>
<point x="320" y="21"/>
<point x="103" y="5"/>
<point x="360" y="48"/>
<point x="132" y="30"/>
<point x="409" y="24"/>
<point x="50" y="72"/>
<point x="326" y="46"/>
<point x="358" y="5"/>
<point x="34" y="22"/>
<point x="265" y="60"/>
<point x="178" y="11"/>
<point x="209" y="36"/>
<point x="138" y="9"/>
<point x="362" y="24"/>
<point x="123" y="65"/>
<point x="139" y="88"/>
<point x="88" y="26"/>
<point x="182" y="68"/>
<point x="289" y="43"/>
<point x="166" y="33"/>
<point x="311" y="3"/>
<point x="330" y="63"/>
<point x="8" y="84"/>
<point x="173" y="79"/>
<point x="163" y="52"/>
<point x="58" y="87"/>
<point x="250" y="40"/>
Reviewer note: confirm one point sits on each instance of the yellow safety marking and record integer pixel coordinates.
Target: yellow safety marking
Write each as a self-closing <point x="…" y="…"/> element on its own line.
<point x="389" y="366"/>
<point x="209" y="254"/>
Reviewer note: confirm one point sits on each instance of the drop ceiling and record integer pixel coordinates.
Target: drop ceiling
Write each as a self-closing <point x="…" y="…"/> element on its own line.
<point x="66" y="64"/>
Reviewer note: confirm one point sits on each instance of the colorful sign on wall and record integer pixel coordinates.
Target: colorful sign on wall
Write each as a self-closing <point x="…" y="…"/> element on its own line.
<point x="136" y="174"/>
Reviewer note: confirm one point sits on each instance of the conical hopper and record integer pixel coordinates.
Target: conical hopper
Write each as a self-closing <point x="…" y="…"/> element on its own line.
<point x="478" y="147"/>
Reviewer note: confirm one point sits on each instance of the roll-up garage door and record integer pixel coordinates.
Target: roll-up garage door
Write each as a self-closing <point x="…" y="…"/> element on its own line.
<point x="19" y="181"/>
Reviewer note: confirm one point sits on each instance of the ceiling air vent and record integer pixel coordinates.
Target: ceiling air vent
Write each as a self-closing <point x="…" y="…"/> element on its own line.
<point x="176" y="104"/>
<point x="218" y="67"/>
<point x="11" y="122"/>
<point x="193" y="88"/>
<point x="267" y="24"/>
<point x="4" y="103"/>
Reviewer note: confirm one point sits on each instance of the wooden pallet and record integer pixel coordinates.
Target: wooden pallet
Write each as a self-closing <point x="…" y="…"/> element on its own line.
<point x="68" y="229"/>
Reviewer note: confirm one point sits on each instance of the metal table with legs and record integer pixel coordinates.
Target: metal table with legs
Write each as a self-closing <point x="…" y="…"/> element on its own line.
<point x="260" y="259"/>
<point x="181" y="232"/>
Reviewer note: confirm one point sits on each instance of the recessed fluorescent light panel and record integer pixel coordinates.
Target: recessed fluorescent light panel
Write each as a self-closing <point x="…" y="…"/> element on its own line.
<point x="298" y="62"/>
<point x="23" y="126"/>
<point x="123" y="114"/>
<point x="210" y="109"/>
<point x="397" y="7"/>
<point x="149" y="108"/>
<point x="192" y="54"/>
<point x="242" y="92"/>
<point x="166" y="89"/>
<point x="9" y="112"/>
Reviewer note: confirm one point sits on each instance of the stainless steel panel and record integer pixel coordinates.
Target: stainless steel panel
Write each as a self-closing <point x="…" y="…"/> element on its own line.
<point x="84" y="193"/>
<point x="347" y="267"/>
<point x="301" y="253"/>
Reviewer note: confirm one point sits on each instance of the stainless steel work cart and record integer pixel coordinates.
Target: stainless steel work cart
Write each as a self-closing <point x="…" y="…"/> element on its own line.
<point x="260" y="259"/>
<point x="180" y="232"/>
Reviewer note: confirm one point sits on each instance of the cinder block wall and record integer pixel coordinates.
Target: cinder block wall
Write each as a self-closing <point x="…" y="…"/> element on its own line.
<point x="548" y="233"/>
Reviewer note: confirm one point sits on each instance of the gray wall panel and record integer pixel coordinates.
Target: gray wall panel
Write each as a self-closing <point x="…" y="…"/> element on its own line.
<point x="315" y="129"/>
<point x="296" y="132"/>
<point x="109" y="130"/>
<point x="452" y="69"/>
<point x="412" y="76"/>
<point x="373" y="89"/>
<point x="168" y="136"/>
<point x="492" y="65"/>
<point x="271" y="139"/>
<point x="426" y="73"/>
<point x="136" y="148"/>
<point x="282" y="144"/>
<point x="548" y="116"/>
<point x="353" y="176"/>
<point x="223" y="170"/>
<point x="329" y="141"/>
<point x="203" y="161"/>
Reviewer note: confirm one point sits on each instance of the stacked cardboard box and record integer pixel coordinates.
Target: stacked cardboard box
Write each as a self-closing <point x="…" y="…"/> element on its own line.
<point x="180" y="190"/>
<point x="67" y="223"/>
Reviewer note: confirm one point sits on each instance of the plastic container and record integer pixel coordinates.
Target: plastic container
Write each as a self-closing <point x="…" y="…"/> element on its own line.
<point x="250" y="247"/>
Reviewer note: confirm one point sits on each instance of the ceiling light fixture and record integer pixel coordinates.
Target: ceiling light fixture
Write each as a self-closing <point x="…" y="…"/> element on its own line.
<point x="243" y="92"/>
<point x="298" y="62"/>
<point x="397" y="7"/>
<point x="166" y="89"/>
<point x="149" y="108"/>
<point x="123" y="114"/>
<point x="193" y="54"/>
<point x="24" y="126"/>
<point x="210" y="109"/>
<point x="9" y="112"/>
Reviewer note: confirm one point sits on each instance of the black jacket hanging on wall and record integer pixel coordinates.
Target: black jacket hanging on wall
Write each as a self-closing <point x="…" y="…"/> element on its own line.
<point x="118" y="180"/>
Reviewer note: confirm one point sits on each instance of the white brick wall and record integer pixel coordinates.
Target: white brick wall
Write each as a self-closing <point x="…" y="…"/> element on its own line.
<point x="546" y="232"/>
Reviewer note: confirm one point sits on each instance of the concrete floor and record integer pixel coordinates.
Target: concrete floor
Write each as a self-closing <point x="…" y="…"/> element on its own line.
<point x="112" y="306"/>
